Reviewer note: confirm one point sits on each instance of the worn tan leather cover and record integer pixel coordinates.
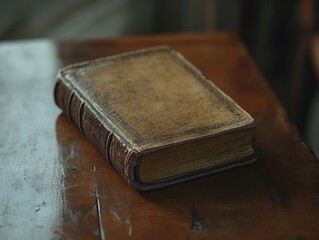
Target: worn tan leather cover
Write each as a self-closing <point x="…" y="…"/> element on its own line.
<point x="135" y="103"/>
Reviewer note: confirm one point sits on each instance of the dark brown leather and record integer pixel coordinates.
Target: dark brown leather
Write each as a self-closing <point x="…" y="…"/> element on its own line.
<point x="98" y="98"/>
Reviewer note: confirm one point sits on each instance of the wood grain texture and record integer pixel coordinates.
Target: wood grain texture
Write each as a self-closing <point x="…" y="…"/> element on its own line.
<point x="53" y="179"/>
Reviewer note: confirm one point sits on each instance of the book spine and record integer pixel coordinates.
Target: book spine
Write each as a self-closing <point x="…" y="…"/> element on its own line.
<point x="107" y="143"/>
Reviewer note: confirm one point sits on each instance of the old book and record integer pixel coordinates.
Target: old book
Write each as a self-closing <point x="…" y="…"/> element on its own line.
<point x="155" y="117"/>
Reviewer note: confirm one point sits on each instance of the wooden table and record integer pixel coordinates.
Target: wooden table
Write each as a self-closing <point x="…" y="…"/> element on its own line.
<point x="49" y="171"/>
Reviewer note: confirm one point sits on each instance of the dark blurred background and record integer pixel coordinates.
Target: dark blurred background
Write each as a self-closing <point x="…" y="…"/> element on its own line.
<point x="280" y="35"/>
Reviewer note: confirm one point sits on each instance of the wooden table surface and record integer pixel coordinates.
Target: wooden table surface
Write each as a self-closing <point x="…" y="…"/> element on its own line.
<point x="49" y="171"/>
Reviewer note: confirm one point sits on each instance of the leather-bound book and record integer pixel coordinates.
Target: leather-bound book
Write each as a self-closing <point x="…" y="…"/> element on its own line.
<point x="154" y="117"/>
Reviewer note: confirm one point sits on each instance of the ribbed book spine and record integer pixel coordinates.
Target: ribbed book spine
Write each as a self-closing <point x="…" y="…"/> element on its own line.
<point x="102" y="137"/>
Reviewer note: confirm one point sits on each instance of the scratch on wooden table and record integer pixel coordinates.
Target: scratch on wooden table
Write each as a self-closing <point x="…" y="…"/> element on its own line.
<point x="115" y="215"/>
<point x="196" y="220"/>
<point x="99" y="215"/>
<point x="129" y="224"/>
<point x="98" y="208"/>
